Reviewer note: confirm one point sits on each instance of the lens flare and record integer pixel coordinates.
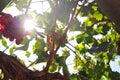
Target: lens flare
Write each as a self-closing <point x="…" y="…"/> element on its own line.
<point x="29" y="25"/>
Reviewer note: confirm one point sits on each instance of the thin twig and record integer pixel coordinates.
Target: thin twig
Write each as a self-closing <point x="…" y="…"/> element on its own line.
<point x="74" y="53"/>
<point x="28" y="6"/>
<point x="40" y="34"/>
<point x="32" y="63"/>
<point x="51" y="44"/>
<point x="71" y="45"/>
<point x="71" y="49"/>
<point x="8" y="47"/>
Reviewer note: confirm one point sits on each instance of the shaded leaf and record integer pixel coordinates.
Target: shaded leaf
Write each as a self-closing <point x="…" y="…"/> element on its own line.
<point x="53" y="67"/>
<point x="42" y="56"/>
<point x="19" y="2"/>
<point x="75" y="26"/>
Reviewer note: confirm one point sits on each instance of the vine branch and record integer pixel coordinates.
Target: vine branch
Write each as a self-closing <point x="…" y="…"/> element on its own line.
<point x="66" y="30"/>
<point x="51" y="40"/>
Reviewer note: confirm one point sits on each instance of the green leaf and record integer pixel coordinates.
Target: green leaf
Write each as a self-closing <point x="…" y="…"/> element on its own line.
<point x="73" y="77"/>
<point x="4" y="43"/>
<point x="28" y="54"/>
<point x="95" y="8"/>
<point x="65" y="70"/>
<point x="105" y="29"/>
<point x="114" y="76"/>
<point x="99" y="29"/>
<point x="23" y="2"/>
<point x="103" y="46"/>
<point x="39" y="45"/>
<point x="12" y="49"/>
<point x="61" y="61"/>
<point x="75" y="25"/>
<point x="87" y="9"/>
<point x="53" y="67"/>
<point x="79" y="38"/>
<point x="42" y="56"/>
<point x="88" y="22"/>
<point x="81" y="46"/>
<point x="98" y="16"/>
<point x="119" y="63"/>
<point x="65" y="53"/>
<point x="89" y="39"/>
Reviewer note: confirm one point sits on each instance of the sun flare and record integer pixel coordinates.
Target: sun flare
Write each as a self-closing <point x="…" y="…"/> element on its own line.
<point x="29" y="25"/>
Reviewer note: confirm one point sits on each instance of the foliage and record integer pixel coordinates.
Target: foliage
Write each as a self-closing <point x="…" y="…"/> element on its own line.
<point x="96" y="41"/>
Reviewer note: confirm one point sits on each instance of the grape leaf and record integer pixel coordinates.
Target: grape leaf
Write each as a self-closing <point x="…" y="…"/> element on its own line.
<point x="4" y="43"/>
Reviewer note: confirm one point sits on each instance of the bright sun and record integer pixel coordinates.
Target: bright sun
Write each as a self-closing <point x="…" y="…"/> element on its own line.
<point x="29" y="25"/>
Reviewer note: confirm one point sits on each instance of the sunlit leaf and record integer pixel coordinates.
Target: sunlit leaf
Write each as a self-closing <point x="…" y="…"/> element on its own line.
<point x="98" y="16"/>
<point x="12" y="49"/>
<point x="88" y="22"/>
<point x="53" y="67"/>
<point x="94" y="8"/>
<point x="28" y="53"/>
<point x="66" y="53"/>
<point x="4" y="43"/>
<point x="39" y="45"/>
